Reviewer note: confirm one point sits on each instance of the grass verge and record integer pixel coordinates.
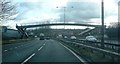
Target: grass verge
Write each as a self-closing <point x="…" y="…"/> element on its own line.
<point x="4" y="42"/>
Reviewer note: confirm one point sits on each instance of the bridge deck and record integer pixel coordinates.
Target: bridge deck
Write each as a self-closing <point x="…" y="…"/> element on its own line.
<point x="53" y="24"/>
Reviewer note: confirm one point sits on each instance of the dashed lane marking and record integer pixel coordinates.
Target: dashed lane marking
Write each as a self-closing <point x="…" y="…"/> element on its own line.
<point x="40" y="48"/>
<point x="28" y="58"/>
<point x="44" y="44"/>
<point x="31" y="56"/>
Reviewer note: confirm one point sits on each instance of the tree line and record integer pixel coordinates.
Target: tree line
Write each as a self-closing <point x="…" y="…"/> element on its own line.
<point x="113" y="30"/>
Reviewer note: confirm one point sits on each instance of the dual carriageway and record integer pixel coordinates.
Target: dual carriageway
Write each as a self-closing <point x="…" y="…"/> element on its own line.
<point x="59" y="50"/>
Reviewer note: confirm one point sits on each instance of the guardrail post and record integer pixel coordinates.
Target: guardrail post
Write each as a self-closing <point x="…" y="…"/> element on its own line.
<point x="118" y="52"/>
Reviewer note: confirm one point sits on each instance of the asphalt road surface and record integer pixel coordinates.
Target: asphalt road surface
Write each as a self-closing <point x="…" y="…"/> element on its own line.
<point x="38" y="51"/>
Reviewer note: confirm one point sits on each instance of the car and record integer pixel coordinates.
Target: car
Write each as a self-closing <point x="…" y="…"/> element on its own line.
<point x="60" y="36"/>
<point x="41" y="36"/>
<point x="72" y="37"/>
<point x="35" y="36"/>
<point x="91" y="38"/>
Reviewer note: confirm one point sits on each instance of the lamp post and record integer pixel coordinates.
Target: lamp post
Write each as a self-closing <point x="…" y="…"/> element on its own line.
<point x="64" y="10"/>
<point x="102" y="21"/>
<point x="64" y="16"/>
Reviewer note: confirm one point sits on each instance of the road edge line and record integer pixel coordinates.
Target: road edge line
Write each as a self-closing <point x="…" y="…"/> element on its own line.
<point x="83" y="61"/>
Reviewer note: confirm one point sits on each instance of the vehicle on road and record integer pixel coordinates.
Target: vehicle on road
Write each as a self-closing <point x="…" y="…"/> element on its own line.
<point x="42" y="36"/>
<point x="60" y="36"/>
<point x="91" y="38"/>
<point x="35" y="36"/>
<point x="73" y="38"/>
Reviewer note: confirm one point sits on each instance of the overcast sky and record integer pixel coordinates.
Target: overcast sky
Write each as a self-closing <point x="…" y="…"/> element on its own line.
<point x="76" y="11"/>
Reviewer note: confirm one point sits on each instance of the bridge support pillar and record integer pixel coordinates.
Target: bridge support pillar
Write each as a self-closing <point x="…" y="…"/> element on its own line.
<point x="22" y="31"/>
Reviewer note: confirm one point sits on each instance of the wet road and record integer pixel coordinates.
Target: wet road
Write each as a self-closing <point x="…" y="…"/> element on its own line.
<point x="38" y="51"/>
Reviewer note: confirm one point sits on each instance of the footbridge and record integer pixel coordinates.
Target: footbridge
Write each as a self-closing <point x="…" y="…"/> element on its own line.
<point x="22" y="29"/>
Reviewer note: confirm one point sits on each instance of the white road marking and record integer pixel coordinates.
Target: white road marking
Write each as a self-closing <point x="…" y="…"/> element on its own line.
<point x="28" y="58"/>
<point x="31" y="56"/>
<point x="83" y="61"/>
<point x="40" y="48"/>
<point x="44" y="44"/>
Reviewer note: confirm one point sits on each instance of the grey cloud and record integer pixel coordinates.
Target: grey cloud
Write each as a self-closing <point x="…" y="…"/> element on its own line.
<point x="82" y="11"/>
<point x="25" y="7"/>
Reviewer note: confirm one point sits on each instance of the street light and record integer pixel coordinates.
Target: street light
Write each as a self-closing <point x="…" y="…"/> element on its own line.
<point x="64" y="10"/>
<point x="102" y="21"/>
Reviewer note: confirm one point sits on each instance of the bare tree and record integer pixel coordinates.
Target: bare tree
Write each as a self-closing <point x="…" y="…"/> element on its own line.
<point x="7" y="10"/>
<point x="113" y="30"/>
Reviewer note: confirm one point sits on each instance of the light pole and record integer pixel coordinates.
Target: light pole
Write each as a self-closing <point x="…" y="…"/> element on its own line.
<point x="102" y="21"/>
<point x="64" y="10"/>
<point x="64" y="16"/>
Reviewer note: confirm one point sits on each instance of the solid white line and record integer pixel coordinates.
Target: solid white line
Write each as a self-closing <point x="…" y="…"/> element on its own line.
<point x="28" y="58"/>
<point x="40" y="48"/>
<point x="83" y="61"/>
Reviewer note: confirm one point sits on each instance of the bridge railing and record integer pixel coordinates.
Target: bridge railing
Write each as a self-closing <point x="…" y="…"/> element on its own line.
<point x="36" y="23"/>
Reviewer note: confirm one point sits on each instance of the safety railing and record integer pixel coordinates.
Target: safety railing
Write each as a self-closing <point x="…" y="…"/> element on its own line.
<point x="108" y="46"/>
<point x="100" y="50"/>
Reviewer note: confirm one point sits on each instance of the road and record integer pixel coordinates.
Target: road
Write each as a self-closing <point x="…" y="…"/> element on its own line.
<point x="38" y="51"/>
